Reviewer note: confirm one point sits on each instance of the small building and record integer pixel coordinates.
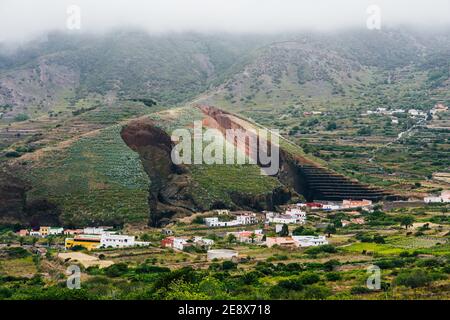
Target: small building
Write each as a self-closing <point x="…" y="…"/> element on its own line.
<point x="35" y="233"/>
<point x="222" y="254"/>
<point x="105" y="240"/>
<point x="167" y="232"/>
<point x="203" y="242"/>
<point x="283" y="219"/>
<point x="443" y="198"/>
<point x="280" y="241"/>
<point x="439" y="108"/>
<point x="116" y="241"/>
<point x="347" y="204"/>
<point x="167" y="242"/>
<point x="243" y="219"/>
<point x="179" y="243"/>
<point x="330" y="206"/>
<point x="55" y="231"/>
<point x="309" y="241"/>
<point x="295" y="212"/>
<point x="23" y="233"/>
<point x="44" y="231"/>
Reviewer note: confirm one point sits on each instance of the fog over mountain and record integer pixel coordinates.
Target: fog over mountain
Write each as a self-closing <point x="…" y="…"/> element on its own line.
<point x="21" y="20"/>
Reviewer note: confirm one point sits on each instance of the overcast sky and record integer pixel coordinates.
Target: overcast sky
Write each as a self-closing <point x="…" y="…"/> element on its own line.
<point x="23" y="19"/>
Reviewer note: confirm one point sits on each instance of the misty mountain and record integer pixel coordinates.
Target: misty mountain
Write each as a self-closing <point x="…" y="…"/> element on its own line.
<point x="171" y="68"/>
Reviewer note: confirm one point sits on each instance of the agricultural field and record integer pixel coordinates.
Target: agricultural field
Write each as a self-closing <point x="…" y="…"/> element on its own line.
<point x="97" y="176"/>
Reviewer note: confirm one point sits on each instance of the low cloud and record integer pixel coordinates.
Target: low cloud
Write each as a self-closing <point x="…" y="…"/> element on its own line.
<point x="23" y="19"/>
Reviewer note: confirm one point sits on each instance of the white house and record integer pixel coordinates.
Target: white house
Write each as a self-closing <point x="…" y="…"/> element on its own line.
<point x="35" y="233"/>
<point x="309" y="241"/>
<point x="239" y="220"/>
<point x="432" y="199"/>
<point x="55" y="231"/>
<point x="282" y="219"/>
<point x="296" y="212"/>
<point x="443" y="198"/>
<point x="119" y="241"/>
<point x="298" y="218"/>
<point x="331" y="207"/>
<point x="179" y="243"/>
<point x="203" y="242"/>
<point x="414" y="112"/>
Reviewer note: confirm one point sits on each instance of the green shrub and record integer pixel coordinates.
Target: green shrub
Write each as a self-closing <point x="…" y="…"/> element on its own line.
<point x="359" y="290"/>
<point x="328" y="248"/>
<point x="116" y="270"/>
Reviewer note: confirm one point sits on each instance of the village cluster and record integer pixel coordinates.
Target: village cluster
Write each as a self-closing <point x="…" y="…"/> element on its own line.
<point x="295" y="214"/>
<point x="91" y="238"/>
<point x="411" y="112"/>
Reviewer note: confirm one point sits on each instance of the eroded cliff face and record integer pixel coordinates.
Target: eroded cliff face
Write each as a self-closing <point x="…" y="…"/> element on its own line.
<point x="168" y="190"/>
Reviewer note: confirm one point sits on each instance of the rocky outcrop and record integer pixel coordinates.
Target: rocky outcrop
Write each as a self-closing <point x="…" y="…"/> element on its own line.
<point x="168" y="190"/>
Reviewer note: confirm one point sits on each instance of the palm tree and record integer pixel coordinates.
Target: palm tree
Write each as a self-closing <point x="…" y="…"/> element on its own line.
<point x="253" y="237"/>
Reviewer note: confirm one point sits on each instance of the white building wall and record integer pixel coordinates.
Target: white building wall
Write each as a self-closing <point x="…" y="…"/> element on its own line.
<point x="309" y="241"/>
<point x="178" y="243"/>
<point x="54" y="231"/>
<point x="116" y="241"/>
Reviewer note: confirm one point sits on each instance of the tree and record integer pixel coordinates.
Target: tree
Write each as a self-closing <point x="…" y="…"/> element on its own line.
<point x="34" y="240"/>
<point x="406" y="221"/>
<point x="253" y="237"/>
<point x="146" y="237"/>
<point x="231" y="238"/>
<point x="414" y="279"/>
<point x="330" y="229"/>
<point x="21" y="241"/>
<point x="284" y="231"/>
<point x="331" y="126"/>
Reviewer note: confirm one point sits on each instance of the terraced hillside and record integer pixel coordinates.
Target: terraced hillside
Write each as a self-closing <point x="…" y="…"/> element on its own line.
<point x="304" y="173"/>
